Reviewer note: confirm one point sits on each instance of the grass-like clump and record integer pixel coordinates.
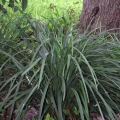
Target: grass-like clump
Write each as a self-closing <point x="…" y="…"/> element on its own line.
<point x="49" y="66"/>
<point x="69" y="75"/>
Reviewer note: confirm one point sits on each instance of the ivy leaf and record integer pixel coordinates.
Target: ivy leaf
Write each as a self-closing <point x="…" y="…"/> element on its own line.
<point x="3" y="9"/>
<point x="3" y="2"/>
<point x="11" y="4"/>
<point x="24" y="4"/>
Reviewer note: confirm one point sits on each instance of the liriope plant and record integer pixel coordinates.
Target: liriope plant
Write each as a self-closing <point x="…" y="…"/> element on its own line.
<point x="69" y="75"/>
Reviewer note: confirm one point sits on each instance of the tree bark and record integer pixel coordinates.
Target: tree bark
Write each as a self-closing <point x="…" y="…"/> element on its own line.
<point x="97" y="13"/>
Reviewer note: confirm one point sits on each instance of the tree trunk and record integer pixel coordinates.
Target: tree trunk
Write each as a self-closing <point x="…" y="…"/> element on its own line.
<point x="100" y="13"/>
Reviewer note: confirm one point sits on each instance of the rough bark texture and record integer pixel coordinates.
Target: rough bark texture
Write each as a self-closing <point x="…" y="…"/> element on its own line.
<point x="105" y="13"/>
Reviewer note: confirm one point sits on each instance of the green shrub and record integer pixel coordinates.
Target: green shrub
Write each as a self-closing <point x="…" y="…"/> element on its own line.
<point x="69" y="75"/>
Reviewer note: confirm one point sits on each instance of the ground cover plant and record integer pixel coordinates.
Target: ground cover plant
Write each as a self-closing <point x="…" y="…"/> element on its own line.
<point x="55" y="8"/>
<point x="62" y="75"/>
<point x="48" y="9"/>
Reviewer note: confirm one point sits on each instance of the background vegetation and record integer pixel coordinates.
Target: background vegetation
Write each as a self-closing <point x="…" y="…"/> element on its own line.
<point x="54" y="9"/>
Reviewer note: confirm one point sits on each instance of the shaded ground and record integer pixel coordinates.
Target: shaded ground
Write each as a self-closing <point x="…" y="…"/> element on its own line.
<point x="32" y="112"/>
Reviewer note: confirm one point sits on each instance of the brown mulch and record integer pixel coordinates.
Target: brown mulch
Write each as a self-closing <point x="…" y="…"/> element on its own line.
<point x="32" y="112"/>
